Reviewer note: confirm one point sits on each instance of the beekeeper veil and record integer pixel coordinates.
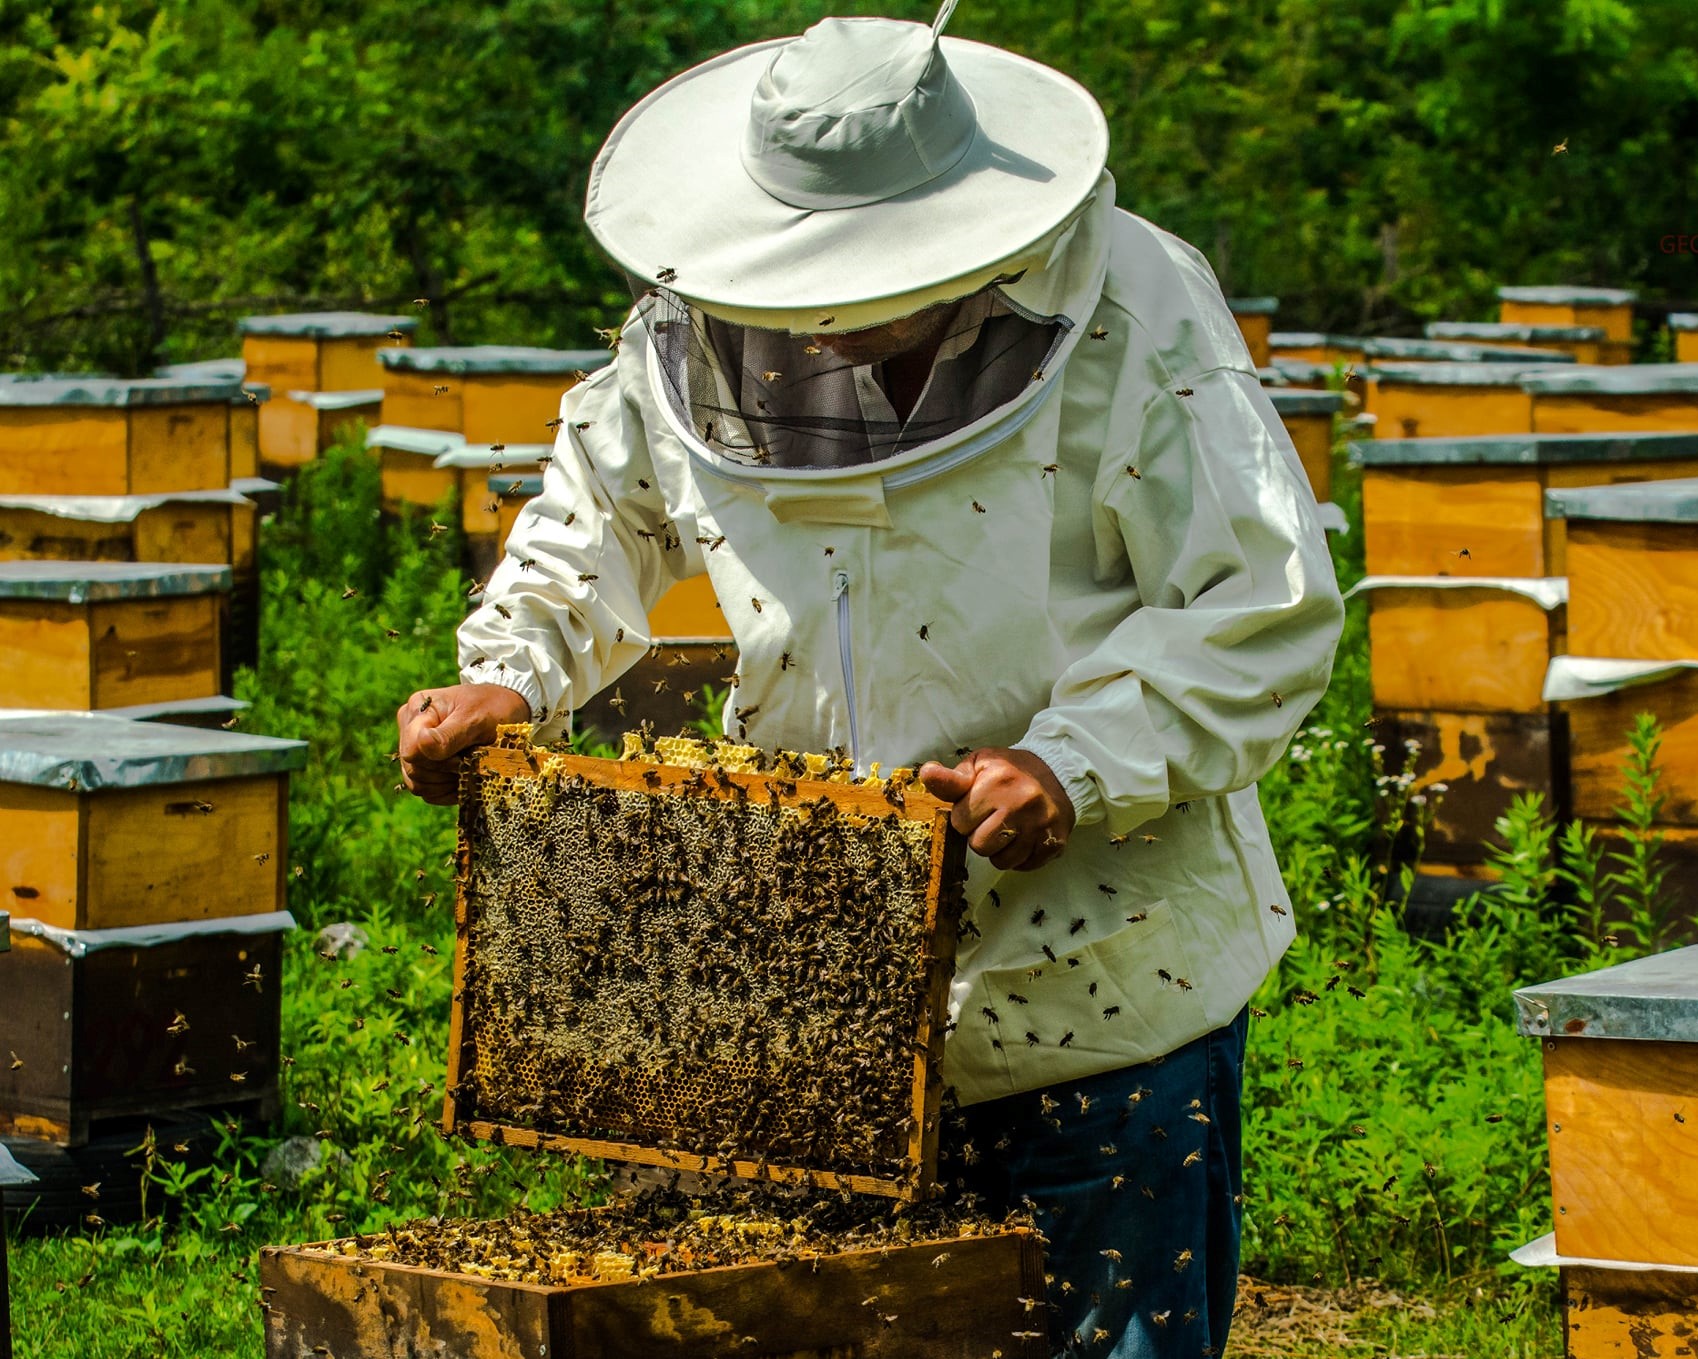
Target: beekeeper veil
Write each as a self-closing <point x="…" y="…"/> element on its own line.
<point x="795" y="214"/>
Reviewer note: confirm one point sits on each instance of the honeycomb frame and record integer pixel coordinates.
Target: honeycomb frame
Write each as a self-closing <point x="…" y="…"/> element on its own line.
<point x="488" y="1066"/>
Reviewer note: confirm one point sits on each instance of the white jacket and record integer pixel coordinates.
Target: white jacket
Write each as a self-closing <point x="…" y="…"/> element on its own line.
<point x="1156" y="638"/>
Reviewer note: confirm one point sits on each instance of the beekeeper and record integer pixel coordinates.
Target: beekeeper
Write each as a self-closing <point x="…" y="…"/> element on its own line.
<point x="981" y="473"/>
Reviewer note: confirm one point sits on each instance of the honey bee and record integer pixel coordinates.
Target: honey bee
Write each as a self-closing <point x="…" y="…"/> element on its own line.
<point x="755" y="603"/>
<point x="1066" y="1038"/>
<point x="978" y="508"/>
<point x="1111" y="1011"/>
<point x="1038" y="916"/>
<point x="253" y="397"/>
<point x="1182" y="984"/>
<point x="925" y="630"/>
<point x="785" y="662"/>
<point x="1032" y="1040"/>
<point x="397" y="335"/>
<point x="810" y="349"/>
<point x="1185" y="391"/>
<point x="180" y="1024"/>
<point x="1134" y="473"/>
<point x="666" y="275"/>
<point x="1100" y="333"/>
<point x="1278" y="701"/>
<point x="349" y="592"/>
<point x="503" y="610"/>
<point x="585" y="577"/>
<point x="1106" y="890"/>
<point x="1018" y="999"/>
<point x="1049" y="469"/>
<point x="772" y="375"/>
<point x="827" y="320"/>
<point x="1277" y="909"/>
<point x="440" y="389"/>
<point x="1049" y="953"/>
<point x="1076" y="926"/>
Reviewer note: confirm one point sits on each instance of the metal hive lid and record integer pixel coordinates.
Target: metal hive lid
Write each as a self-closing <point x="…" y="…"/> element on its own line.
<point x="1530" y="450"/>
<point x="1683" y="320"/>
<point x="493" y="359"/>
<point x="1648" y="502"/>
<point x="530" y="484"/>
<point x="1452" y="374"/>
<point x="90" y="582"/>
<point x="1653" y="998"/>
<point x="88" y="752"/>
<point x="1252" y="306"/>
<point x="326" y="325"/>
<point x="1308" y="339"/>
<point x="1621" y="379"/>
<point x="1566" y="295"/>
<point x="120" y="392"/>
<point x="1305" y="401"/>
<point x="1457" y="351"/>
<point x="11" y="1172"/>
<point x="1524" y="332"/>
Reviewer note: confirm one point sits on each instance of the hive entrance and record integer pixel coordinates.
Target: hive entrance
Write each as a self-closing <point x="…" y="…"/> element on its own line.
<point x="710" y="965"/>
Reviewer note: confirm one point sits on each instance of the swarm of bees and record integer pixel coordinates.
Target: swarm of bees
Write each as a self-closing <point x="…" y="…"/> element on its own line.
<point x="723" y="957"/>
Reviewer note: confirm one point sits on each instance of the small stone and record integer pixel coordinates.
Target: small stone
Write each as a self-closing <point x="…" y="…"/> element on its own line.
<point x="294" y="1158"/>
<point x="343" y="939"/>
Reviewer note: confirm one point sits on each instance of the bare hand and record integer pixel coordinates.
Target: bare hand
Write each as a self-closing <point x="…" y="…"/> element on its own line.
<point x="1008" y="803"/>
<point x="437" y="724"/>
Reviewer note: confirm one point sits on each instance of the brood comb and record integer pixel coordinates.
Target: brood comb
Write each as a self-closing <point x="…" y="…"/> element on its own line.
<point x="703" y="957"/>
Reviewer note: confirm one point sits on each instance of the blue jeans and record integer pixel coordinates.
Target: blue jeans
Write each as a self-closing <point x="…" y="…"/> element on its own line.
<point x="1135" y="1177"/>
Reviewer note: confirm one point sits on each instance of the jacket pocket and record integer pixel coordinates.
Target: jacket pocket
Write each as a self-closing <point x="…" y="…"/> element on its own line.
<point x="1054" y="1026"/>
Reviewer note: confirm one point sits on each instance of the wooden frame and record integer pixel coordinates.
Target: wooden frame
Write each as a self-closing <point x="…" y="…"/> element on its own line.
<point x="937" y="1299"/>
<point x="924" y="1085"/>
<point x="1633" y="589"/>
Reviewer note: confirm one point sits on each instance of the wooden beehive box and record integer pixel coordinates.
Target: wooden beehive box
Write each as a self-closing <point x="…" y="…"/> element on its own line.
<point x="1632" y="568"/>
<point x="1621" y="1081"/>
<point x="108" y="823"/>
<point x="1315" y="347"/>
<point x="1475" y="506"/>
<point x="1637" y="397"/>
<point x="703" y="968"/>
<point x="110" y="634"/>
<point x="1610" y="309"/>
<point x="1683" y="325"/>
<point x="489" y="393"/>
<point x="1602" y="697"/>
<point x="935" y="1295"/>
<point x="297" y="429"/>
<point x="1613" y="1310"/>
<point x="1583" y="343"/>
<point x="1308" y="419"/>
<point x="244" y="409"/>
<point x="207" y="528"/>
<point x="1255" y="320"/>
<point x="110" y="436"/>
<point x="1447" y="400"/>
<point x="100" y="1025"/>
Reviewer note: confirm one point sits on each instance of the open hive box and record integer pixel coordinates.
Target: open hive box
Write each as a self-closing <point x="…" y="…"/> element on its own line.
<point x="663" y="1276"/>
<point x="686" y="959"/>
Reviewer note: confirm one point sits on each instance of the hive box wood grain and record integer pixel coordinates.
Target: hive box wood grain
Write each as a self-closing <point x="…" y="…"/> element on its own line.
<point x="1609" y="309"/>
<point x="1629" y="1314"/>
<point x="325" y="1302"/>
<point x="1475" y="506"/>
<point x="107" y="823"/>
<point x="105" y="436"/>
<point x="489" y="393"/>
<point x="1599" y="750"/>
<point x="1621" y="1075"/>
<point x="859" y="1111"/>
<point x="1633" y="568"/>
<point x="93" y="1032"/>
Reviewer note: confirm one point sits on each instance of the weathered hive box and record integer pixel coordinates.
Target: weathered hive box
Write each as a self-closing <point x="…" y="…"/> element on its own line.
<point x="105" y="1024"/>
<point x="1621" y="1078"/>
<point x="1475" y="506"/>
<point x="110" y="634"/>
<point x="421" y="466"/>
<point x="933" y="1294"/>
<point x="109" y="436"/>
<point x="1315" y="347"/>
<point x="1601" y="697"/>
<point x="1397" y="349"/>
<point x="244" y="409"/>
<point x="1308" y="419"/>
<point x="1632" y="568"/>
<point x="1640" y="396"/>
<point x="1612" y="1309"/>
<point x="1683" y="325"/>
<point x="201" y="527"/>
<point x="489" y="393"/>
<point x="331" y="351"/>
<point x="703" y="964"/>
<point x="1255" y="319"/>
<point x="107" y="823"/>
<point x="1448" y="400"/>
<point x="1582" y="343"/>
<point x="1610" y="309"/>
<point x="301" y="427"/>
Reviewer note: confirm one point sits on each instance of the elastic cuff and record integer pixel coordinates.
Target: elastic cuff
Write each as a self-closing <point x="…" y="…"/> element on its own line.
<point x="525" y="685"/>
<point x="1070" y="770"/>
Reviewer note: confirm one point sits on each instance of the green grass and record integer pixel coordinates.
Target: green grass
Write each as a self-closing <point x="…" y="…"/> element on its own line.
<point x="1394" y="1136"/>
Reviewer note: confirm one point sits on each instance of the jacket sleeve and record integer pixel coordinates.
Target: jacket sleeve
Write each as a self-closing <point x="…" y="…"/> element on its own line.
<point x="566" y="611"/>
<point x="1198" y="691"/>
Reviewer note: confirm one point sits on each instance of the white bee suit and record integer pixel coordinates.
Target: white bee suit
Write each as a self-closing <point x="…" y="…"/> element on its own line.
<point x="1153" y="618"/>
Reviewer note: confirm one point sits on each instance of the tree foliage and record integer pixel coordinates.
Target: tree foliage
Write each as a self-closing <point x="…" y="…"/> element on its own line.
<point x="169" y="165"/>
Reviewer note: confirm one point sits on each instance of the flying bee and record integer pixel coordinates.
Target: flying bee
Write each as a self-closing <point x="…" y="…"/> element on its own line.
<point x="254" y="977"/>
<point x="253" y="397"/>
<point x="755" y="603"/>
<point x="1278" y="701"/>
<point x="397" y="335"/>
<point x="1134" y="473"/>
<point x="810" y="349"/>
<point x="1106" y="890"/>
<point x="243" y="1044"/>
<point x="925" y="631"/>
<point x="666" y="275"/>
<point x="178" y="1025"/>
<point x="1191" y="1158"/>
<point x="1050" y="469"/>
<point x="978" y="508"/>
<point x="1277" y="909"/>
<point x="1111" y="1012"/>
<point x="349" y="592"/>
<point x="17" y="1061"/>
<point x="440" y="389"/>
<point x="1100" y="333"/>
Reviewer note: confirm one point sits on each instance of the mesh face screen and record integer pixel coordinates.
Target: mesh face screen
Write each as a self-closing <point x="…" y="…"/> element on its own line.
<point x="766" y="398"/>
<point x="723" y="976"/>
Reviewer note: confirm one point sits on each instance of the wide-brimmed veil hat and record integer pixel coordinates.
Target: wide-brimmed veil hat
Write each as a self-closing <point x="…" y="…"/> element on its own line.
<point x="848" y="176"/>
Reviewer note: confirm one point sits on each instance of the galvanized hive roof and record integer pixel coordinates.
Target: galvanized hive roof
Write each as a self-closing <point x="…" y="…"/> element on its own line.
<point x="339" y="401"/>
<point x="507" y="456"/>
<point x="119" y="392"/>
<point x="1652" y="998"/>
<point x="90" y="582"/>
<point x="1522" y="332"/>
<point x="528" y="485"/>
<point x="88" y="752"/>
<point x="1253" y="306"/>
<point x="1300" y="370"/>
<point x="1454" y="351"/>
<point x="410" y="439"/>
<point x="1309" y="339"/>
<point x="1646" y="502"/>
<point x="1565" y="295"/>
<point x="216" y="370"/>
<point x="11" y="1172"/>
<point x="493" y="359"/>
<point x="116" y="509"/>
<point x="1450" y="374"/>
<point x="1299" y="401"/>
<point x="1683" y="320"/>
<point x="326" y="325"/>
<point x="1530" y="450"/>
<point x="1620" y="379"/>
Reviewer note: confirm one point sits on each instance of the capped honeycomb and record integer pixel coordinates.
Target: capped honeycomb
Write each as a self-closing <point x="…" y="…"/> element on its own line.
<point x="705" y="957"/>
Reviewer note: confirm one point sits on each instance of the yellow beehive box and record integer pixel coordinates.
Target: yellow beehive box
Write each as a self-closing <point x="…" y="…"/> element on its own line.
<point x="1602" y="697"/>
<point x="489" y="393"/>
<point x="1308" y="418"/>
<point x="1683" y="325"/>
<point x="111" y="436"/>
<point x="110" y="634"/>
<point x="1410" y="349"/>
<point x="1585" y="344"/>
<point x="107" y="823"/>
<point x="334" y="351"/>
<point x="1314" y="346"/>
<point x="1595" y="400"/>
<point x="244" y="409"/>
<point x="304" y="424"/>
<point x="1621" y="1077"/>
<point x="1610" y="309"/>
<point x="1475" y="506"/>
<point x="1255" y="319"/>
<point x="1447" y="400"/>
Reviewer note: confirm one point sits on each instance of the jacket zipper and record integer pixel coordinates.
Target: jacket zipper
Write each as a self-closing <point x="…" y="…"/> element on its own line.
<point x="840" y="593"/>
